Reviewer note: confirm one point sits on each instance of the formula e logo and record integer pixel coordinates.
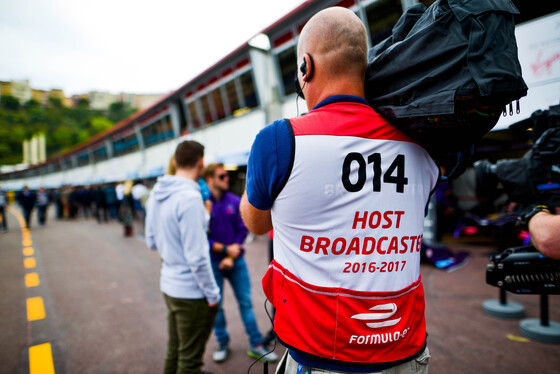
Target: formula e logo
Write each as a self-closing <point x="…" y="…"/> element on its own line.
<point x="380" y="313"/>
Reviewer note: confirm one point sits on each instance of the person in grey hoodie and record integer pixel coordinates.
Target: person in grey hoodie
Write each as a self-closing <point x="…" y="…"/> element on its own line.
<point x="176" y="226"/>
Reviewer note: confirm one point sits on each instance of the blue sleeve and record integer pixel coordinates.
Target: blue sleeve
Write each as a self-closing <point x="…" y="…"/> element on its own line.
<point x="270" y="164"/>
<point x="204" y="189"/>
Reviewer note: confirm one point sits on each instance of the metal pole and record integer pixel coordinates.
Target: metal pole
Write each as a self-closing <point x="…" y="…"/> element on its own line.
<point x="544" y="310"/>
<point x="503" y="298"/>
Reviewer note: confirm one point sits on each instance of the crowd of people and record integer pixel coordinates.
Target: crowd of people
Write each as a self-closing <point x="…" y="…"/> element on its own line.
<point x="221" y="242"/>
<point x="123" y="202"/>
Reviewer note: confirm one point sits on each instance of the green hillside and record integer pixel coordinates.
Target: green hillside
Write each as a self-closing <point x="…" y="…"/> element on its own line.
<point x="64" y="127"/>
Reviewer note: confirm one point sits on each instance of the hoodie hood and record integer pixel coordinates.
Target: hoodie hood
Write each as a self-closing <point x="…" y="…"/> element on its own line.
<point x="168" y="185"/>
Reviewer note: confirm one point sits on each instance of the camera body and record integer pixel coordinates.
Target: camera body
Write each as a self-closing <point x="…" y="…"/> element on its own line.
<point x="524" y="270"/>
<point x="532" y="179"/>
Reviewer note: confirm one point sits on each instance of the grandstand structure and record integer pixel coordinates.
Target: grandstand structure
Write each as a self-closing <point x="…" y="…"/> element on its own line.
<point x="225" y="106"/>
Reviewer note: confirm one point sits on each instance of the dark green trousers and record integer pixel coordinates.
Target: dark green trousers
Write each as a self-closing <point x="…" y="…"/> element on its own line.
<point x="190" y="323"/>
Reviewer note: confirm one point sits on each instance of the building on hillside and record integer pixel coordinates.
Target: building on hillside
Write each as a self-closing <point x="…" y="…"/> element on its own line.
<point x="58" y="93"/>
<point x="75" y="99"/>
<point x="103" y="100"/>
<point x="100" y="100"/>
<point x="138" y="101"/>
<point x="5" y="88"/>
<point x="40" y="96"/>
<point x="21" y="90"/>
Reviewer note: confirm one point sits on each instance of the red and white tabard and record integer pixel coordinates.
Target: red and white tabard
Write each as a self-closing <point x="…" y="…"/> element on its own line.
<point x="347" y="233"/>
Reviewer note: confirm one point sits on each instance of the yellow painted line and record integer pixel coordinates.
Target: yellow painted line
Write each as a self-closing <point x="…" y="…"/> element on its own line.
<point x="32" y="280"/>
<point x="40" y="356"/>
<point x="40" y="359"/>
<point x="518" y="338"/>
<point x="18" y="216"/>
<point x="29" y="263"/>
<point x="35" y="309"/>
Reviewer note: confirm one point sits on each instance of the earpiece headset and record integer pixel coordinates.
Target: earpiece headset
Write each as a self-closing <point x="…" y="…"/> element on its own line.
<point x="306" y="74"/>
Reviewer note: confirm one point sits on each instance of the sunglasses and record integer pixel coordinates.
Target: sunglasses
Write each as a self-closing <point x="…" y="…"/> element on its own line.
<point x="222" y="176"/>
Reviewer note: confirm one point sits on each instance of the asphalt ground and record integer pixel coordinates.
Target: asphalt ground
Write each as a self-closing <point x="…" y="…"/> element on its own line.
<point x="104" y="313"/>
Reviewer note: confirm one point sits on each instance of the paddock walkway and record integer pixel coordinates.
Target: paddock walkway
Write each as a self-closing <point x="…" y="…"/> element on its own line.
<point x="82" y="298"/>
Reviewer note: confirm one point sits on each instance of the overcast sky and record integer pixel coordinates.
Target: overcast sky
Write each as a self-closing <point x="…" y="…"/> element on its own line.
<point x="134" y="46"/>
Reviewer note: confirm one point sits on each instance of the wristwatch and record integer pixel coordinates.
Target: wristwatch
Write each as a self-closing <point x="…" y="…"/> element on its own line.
<point x="527" y="214"/>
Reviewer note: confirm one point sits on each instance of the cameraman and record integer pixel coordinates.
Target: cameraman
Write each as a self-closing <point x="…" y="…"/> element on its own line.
<point x="294" y="169"/>
<point x="535" y="178"/>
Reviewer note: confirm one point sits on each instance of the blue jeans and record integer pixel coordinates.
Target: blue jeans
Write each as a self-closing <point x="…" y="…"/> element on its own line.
<point x="238" y="277"/>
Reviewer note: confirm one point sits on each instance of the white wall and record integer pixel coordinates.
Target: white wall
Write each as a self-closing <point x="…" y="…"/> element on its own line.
<point x="232" y="136"/>
<point x="222" y="141"/>
<point x="538" y="44"/>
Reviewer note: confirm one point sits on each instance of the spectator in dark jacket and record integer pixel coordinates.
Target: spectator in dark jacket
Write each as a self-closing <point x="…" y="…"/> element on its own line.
<point x="101" y="209"/>
<point x="3" y="204"/>
<point x="26" y="200"/>
<point x="112" y="201"/>
<point x="42" y="205"/>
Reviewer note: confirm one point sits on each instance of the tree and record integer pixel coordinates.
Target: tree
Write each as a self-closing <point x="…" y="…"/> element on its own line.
<point x="100" y="124"/>
<point x="83" y="103"/>
<point x="55" y="102"/>
<point x="9" y="102"/>
<point x="63" y="137"/>
<point x="119" y="111"/>
<point x="5" y="148"/>
<point x="17" y="134"/>
<point x="31" y="104"/>
<point x="64" y="127"/>
<point x="82" y="136"/>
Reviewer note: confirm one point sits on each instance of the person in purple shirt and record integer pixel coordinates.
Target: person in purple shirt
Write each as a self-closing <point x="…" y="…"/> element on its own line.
<point x="226" y="234"/>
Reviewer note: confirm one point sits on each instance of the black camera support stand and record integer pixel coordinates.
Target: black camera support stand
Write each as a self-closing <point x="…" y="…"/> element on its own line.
<point x="524" y="270"/>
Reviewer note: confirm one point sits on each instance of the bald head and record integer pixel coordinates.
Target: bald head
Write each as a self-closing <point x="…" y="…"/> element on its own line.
<point x="337" y="40"/>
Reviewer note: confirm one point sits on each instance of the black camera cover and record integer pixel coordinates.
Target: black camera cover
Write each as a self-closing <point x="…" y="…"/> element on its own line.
<point x="446" y="72"/>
